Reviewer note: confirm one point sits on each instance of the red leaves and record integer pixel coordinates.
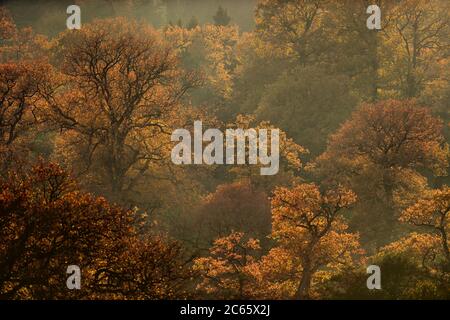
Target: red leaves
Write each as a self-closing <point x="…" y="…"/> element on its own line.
<point x="392" y="134"/>
<point x="47" y="224"/>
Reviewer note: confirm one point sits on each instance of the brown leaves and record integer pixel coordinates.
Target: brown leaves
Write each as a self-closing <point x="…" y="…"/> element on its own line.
<point x="226" y="273"/>
<point x="20" y="98"/>
<point x="47" y="224"/>
<point x="392" y="134"/>
<point x="7" y="25"/>
<point x="215" y="47"/>
<point x="381" y="153"/>
<point x="19" y="44"/>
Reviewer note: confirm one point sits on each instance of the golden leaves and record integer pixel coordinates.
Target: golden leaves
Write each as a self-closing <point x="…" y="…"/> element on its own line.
<point x="310" y="238"/>
<point x="304" y="210"/>
<point x="432" y="210"/>
<point x="227" y="270"/>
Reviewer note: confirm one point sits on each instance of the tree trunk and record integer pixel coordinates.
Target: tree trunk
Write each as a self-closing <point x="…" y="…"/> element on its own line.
<point x="305" y="282"/>
<point x="374" y="66"/>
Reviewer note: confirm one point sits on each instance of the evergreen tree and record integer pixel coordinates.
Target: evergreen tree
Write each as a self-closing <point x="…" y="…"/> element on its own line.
<point x="221" y="18"/>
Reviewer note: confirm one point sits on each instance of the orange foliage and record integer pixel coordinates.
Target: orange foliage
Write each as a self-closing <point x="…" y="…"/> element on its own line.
<point x="47" y="225"/>
<point x="308" y="224"/>
<point x="119" y="96"/>
<point x="311" y="243"/>
<point x="432" y="213"/>
<point x="391" y="134"/>
<point x="226" y="273"/>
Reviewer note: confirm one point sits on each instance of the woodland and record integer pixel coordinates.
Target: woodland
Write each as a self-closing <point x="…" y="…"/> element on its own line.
<point x="86" y="176"/>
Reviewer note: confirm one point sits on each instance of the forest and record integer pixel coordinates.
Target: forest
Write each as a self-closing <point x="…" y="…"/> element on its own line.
<point x="87" y="179"/>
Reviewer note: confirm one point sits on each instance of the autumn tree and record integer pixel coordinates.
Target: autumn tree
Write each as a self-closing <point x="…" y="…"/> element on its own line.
<point x="210" y="50"/>
<point x="121" y="91"/>
<point x="381" y="152"/>
<point x="310" y="245"/>
<point x="47" y="224"/>
<point x="259" y="64"/>
<point x="7" y="26"/>
<point x="308" y="103"/>
<point x="142" y="267"/>
<point x="290" y="154"/>
<point x="19" y="44"/>
<point x="360" y="54"/>
<point x="235" y="206"/>
<point x="22" y="108"/>
<point x="432" y="213"/>
<point x="308" y="224"/>
<point x="295" y="26"/>
<point x="19" y="97"/>
<point x="392" y="134"/>
<point x="23" y="70"/>
<point x="422" y="254"/>
<point x="419" y="34"/>
<point x="226" y="273"/>
<point x="411" y="269"/>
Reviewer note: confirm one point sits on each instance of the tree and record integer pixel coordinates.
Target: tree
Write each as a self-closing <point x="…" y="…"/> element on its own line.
<point x="308" y="103"/>
<point x="235" y="206"/>
<point x="259" y="63"/>
<point x="47" y="224"/>
<point x="308" y="224"/>
<point x="392" y="134"/>
<point x="422" y="255"/>
<point x="221" y="18"/>
<point x="290" y="154"/>
<point x="22" y="108"/>
<point x="142" y="267"/>
<point x="381" y="153"/>
<point x="17" y="44"/>
<point x="362" y="53"/>
<point x="20" y="98"/>
<point x="8" y="28"/>
<point x="226" y="272"/>
<point x="295" y="26"/>
<point x="310" y="245"/>
<point x="128" y="79"/>
<point x="23" y="70"/>
<point x="432" y="213"/>
<point x="421" y="31"/>
<point x="210" y="50"/>
<point x="410" y="270"/>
